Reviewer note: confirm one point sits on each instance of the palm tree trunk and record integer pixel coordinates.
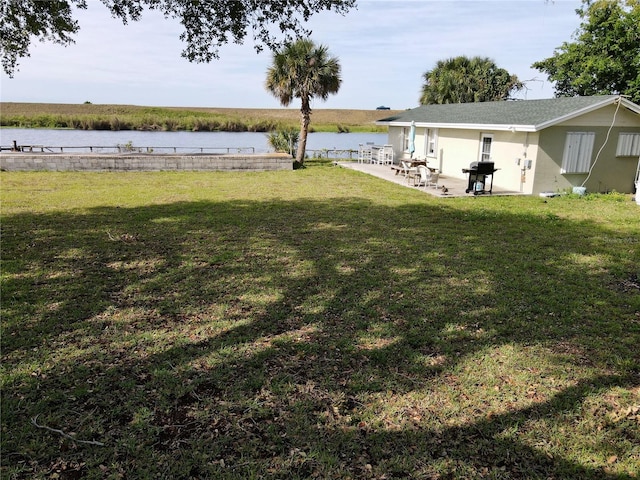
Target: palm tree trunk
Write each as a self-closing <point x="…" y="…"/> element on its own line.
<point x="305" y="119"/>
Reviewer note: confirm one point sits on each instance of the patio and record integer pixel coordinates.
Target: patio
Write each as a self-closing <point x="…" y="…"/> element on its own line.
<point x="453" y="187"/>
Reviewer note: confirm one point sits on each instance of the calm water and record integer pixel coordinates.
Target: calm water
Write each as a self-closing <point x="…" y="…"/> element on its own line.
<point x="186" y="142"/>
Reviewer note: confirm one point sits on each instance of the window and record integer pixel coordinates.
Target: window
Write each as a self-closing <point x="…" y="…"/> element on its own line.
<point x="485" y="147"/>
<point x="578" y="148"/>
<point x="628" y="145"/>
<point x="405" y="139"/>
<point x="431" y="142"/>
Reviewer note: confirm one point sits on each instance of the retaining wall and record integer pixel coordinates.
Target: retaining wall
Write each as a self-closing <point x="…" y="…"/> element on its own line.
<point x="17" y="161"/>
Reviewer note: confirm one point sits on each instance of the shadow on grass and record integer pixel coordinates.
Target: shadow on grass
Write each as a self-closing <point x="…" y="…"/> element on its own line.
<point x="313" y="339"/>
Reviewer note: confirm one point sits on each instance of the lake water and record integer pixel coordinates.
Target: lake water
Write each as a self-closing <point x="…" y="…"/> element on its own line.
<point x="183" y="142"/>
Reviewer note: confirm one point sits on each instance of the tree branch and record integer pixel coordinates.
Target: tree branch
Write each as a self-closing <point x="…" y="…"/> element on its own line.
<point x="34" y="421"/>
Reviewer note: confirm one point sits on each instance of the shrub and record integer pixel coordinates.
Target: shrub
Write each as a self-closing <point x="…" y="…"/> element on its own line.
<point x="284" y="140"/>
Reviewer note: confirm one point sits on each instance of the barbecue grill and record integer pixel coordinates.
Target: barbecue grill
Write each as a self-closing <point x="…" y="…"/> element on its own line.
<point x="478" y="173"/>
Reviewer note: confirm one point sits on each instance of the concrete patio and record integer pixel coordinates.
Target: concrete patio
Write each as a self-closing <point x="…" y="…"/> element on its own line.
<point x="453" y="187"/>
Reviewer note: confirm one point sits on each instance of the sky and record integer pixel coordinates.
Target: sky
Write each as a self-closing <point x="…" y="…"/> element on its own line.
<point x="384" y="49"/>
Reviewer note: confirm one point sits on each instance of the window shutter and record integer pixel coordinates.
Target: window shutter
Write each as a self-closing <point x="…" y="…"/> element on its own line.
<point x="628" y="145"/>
<point x="578" y="149"/>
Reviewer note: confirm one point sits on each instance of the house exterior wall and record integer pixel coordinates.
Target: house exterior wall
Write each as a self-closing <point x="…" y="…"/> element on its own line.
<point x="457" y="148"/>
<point x="396" y="138"/>
<point x="511" y="151"/>
<point x="608" y="173"/>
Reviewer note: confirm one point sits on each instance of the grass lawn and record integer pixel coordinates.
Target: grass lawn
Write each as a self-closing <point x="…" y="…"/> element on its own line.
<point x="317" y="323"/>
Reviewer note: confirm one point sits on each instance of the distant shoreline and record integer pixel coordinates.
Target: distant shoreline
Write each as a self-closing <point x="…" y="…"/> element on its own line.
<point x="197" y="119"/>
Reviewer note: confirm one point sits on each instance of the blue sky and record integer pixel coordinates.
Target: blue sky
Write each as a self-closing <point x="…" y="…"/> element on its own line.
<point x="384" y="48"/>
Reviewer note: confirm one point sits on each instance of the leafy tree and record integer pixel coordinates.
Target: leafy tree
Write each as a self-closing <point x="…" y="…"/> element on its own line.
<point x="466" y="80"/>
<point x="605" y="56"/>
<point x="303" y="70"/>
<point x="208" y="24"/>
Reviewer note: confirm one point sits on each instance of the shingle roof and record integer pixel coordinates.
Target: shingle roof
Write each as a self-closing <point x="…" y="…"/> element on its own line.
<point x="531" y="114"/>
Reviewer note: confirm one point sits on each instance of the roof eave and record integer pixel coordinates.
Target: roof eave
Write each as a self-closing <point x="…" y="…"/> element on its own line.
<point x="464" y="126"/>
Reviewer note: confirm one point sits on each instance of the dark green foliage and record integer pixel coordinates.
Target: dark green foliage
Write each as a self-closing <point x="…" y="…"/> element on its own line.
<point x="467" y="80"/>
<point x="207" y="25"/>
<point x="604" y="58"/>
<point x="20" y="20"/>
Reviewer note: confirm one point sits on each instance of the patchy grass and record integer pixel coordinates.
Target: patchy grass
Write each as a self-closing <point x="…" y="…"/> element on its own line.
<point x="318" y="323"/>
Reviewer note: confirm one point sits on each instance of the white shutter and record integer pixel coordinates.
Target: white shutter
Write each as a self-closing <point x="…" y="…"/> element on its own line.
<point x="578" y="149"/>
<point x="628" y="145"/>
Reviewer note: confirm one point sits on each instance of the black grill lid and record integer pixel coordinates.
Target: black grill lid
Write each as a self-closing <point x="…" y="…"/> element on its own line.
<point x="482" y="167"/>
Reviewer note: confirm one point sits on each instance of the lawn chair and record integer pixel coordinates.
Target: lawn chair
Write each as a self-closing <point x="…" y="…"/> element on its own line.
<point x="412" y="173"/>
<point x="364" y="153"/>
<point x="388" y="154"/>
<point x="427" y="177"/>
<point x="432" y="177"/>
<point x="405" y="169"/>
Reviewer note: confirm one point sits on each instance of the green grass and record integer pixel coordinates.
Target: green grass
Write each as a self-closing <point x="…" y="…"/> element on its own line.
<point x="318" y="323"/>
<point x="133" y="117"/>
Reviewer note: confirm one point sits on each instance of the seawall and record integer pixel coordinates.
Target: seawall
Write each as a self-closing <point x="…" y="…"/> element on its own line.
<point x="18" y="161"/>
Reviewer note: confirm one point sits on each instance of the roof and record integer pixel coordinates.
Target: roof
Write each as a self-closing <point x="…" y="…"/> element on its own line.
<point x="522" y="115"/>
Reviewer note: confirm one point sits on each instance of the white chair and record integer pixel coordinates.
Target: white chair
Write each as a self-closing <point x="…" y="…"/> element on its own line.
<point x="369" y="152"/>
<point x="434" y="175"/>
<point x="364" y="153"/>
<point x="413" y="173"/>
<point x="388" y="154"/>
<point x="406" y="169"/>
<point x="373" y="158"/>
<point x="428" y="178"/>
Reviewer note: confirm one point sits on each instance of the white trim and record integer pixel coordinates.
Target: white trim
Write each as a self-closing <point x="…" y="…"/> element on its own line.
<point x="463" y="126"/>
<point x="481" y="152"/>
<point x="405" y="139"/>
<point x="434" y="132"/>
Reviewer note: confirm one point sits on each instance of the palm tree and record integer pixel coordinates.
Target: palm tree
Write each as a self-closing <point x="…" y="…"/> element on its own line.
<point x="303" y="70"/>
<point x="465" y="80"/>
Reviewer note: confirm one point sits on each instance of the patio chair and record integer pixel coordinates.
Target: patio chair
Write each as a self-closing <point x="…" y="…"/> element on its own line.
<point x="427" y="177"/>
<point x="405" y="168"/>
<point x="360" y="153"/>
<point x="377" y="155"/>
<point x="433" y="176"/>
<point x="364" y="153"/>
<point x="388" y="154"/>
<point x="412" y="173"/>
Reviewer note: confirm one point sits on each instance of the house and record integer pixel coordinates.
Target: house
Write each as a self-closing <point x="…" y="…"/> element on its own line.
<point x="538" y="145"/>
